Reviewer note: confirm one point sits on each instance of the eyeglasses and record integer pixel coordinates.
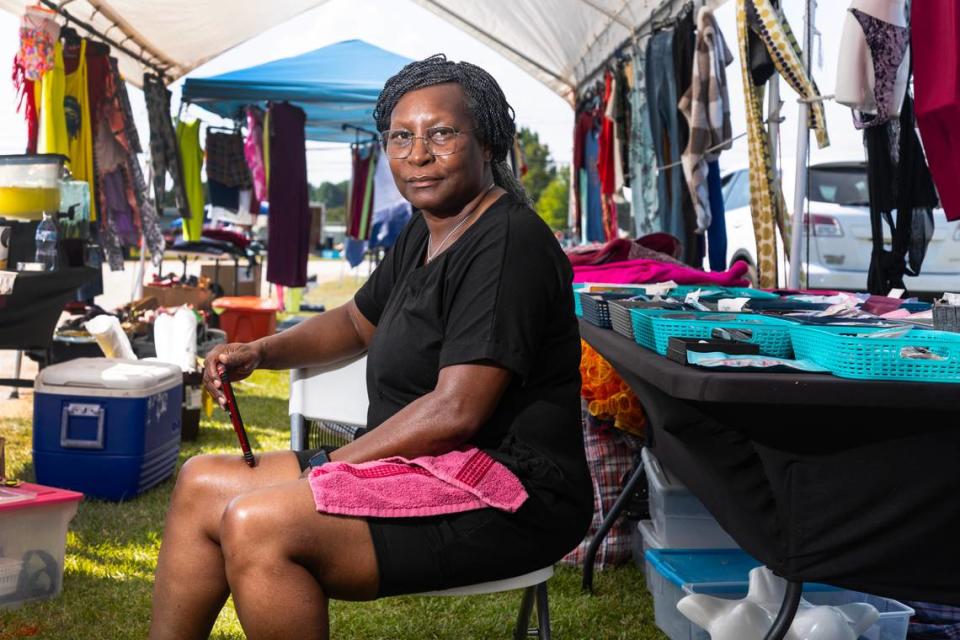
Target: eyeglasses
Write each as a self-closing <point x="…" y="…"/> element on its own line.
<point x="440" y="141"/>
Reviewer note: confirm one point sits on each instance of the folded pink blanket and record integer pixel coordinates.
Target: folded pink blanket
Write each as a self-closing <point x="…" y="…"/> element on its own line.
<point x="427" y="486"/>
<point x="648" y="271"/>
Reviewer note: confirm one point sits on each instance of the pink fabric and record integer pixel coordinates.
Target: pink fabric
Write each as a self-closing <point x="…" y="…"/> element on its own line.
<point x="427" y="486"/>
<point x="647" y="271"/>
<point x="253" y="152"/>
<point x="935" y="46"/>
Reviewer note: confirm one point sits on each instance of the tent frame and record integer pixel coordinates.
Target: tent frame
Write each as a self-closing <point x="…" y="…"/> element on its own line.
<point x="102" y="8"/>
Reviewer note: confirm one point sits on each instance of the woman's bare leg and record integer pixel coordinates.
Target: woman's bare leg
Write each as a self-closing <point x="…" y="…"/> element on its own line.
<point x="190" y="584"/>
<point x="284" y="560"/>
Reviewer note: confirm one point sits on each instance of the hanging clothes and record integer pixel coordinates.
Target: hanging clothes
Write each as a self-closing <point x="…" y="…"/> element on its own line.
<point x="643" y="160"/>
<point x="767" y="42"/>
<point x="583" y="124"/>
<point x="124" y="128"/>
<point x="706" y="107"/>
<point x="191" y="160"/>
<point x="39" y="33"/>
<point x="289" y="219"/>
<point x="76" y="106"/>
<point x="935" y="40"/>
<point x="360" y="200"/>
<point x="606" y="158"/>
<point x="164" y="153"/>
<point x="592" y="188"/>
<point x="266" y="150"/>
<point x="253" y="152"/>
<point x="391" y="211"/>
<point x="662" y="103"/>
<point x="873" y="63"/>
<point x="226" y="162"/>
<point x="898" y="179"/>
<point x="717" y="232"/>
<point x="53" y="136"/>
<point x="684" y="44"/>
<point x="624" y="121"/>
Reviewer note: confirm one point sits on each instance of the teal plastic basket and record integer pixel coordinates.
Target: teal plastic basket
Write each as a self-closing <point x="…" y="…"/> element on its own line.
<point x="851" y="352"/>
<point x="772" y="334"/>
<point x="577" y="307"/>
<point x="714" y="293"/>
<point x="642" y="320"/>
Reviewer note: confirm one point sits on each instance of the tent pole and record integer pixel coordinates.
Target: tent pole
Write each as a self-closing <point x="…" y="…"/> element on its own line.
<point x="58" y="8"/>
<point x="803" y="146"/>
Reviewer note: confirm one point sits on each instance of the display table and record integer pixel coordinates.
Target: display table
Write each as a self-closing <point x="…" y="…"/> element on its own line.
<point x="850" y="483"/>
<point x="29" y="314"/>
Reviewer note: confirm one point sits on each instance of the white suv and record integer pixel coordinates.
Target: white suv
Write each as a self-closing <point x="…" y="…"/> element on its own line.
<point x="841" y="240"/>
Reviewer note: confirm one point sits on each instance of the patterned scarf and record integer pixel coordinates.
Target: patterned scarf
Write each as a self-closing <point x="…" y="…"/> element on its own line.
<point x="766" y="199"/>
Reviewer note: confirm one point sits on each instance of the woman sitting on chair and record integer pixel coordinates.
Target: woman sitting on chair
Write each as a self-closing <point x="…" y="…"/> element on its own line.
<point x="473" y="376"/>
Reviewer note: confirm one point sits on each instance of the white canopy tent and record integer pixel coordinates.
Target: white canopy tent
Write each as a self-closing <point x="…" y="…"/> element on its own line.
<point x="561" y="43"/>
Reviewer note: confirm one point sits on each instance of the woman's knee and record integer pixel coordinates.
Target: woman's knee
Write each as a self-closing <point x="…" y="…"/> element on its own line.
<point x="251" y="532"/>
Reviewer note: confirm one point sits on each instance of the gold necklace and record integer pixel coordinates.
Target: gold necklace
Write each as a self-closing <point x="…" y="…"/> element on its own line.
<point x="434" y="254"/>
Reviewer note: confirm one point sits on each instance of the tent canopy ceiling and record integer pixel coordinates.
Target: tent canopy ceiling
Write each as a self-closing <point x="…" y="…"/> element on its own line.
<point x="335" y="85"/>
<point x="559" y="42"/>
<point x="177" y="34"/>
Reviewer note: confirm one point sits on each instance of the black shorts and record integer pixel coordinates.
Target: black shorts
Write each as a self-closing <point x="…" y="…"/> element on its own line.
<point x="442" y="552"/>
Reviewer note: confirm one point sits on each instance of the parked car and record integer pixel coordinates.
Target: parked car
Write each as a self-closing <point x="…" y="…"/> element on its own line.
<point x="839" y="231"/>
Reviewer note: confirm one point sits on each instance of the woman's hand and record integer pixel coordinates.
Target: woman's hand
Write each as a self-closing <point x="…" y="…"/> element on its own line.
<point x="240" y="359"/>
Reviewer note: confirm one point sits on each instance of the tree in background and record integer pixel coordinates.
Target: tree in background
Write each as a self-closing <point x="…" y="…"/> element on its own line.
<point x="547" y="185"/>
<point x="334" y="196"/>
<point x="553" y="203"/>
<point x="540" y="169"/>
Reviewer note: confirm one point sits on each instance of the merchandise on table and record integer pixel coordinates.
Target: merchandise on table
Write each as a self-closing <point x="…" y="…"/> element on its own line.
<point x="720" y="361"/>
<point x="871" y="353"/>
<point x="595" y="306"/>
<point x="772" y="334"/>
<point x="33" y="536"/>
<point x="108" y="428"/>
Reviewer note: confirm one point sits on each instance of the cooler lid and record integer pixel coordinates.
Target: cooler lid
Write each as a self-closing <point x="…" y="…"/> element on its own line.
<point x="109" y="373"/>
<point x="32" y="495"/>
<point x="688" y="567"/>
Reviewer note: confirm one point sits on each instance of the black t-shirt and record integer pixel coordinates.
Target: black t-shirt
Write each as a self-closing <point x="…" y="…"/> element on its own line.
<point x="501" y="293"/>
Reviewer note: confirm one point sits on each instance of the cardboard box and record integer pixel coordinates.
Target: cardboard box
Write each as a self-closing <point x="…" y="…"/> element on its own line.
<point x="248" y="279"/>
<point x="176" y="296"/>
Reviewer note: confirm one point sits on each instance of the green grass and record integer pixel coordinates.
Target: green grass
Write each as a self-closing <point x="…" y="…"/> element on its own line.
<point x="112" y="551"/>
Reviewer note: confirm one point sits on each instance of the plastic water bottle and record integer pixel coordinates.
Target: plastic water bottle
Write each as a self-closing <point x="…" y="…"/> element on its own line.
<point x="47" y="237"/>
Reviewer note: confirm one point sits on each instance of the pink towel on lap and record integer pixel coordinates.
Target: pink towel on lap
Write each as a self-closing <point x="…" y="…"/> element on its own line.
<point x="426" y="486"/>
<point x="648" y="271"/>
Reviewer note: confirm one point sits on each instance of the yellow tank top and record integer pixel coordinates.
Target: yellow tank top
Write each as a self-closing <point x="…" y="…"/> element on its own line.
<point x="76" y="108"/>
<point x="53" y="121"/>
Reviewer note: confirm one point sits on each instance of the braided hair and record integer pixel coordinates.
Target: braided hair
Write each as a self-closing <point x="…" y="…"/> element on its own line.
<point x="492" y="113"/>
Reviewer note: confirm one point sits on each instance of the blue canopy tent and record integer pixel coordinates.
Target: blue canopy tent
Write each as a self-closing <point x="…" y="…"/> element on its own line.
<point x="336" y="85"/>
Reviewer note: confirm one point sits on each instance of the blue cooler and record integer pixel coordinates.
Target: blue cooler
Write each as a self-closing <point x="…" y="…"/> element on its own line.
<point x="108" y="428"/>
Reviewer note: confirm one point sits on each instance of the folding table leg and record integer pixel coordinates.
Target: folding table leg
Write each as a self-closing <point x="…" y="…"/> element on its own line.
<point x="788" y="611"/>
<point x="16" y="374"/>
<point x="607" y="524"/>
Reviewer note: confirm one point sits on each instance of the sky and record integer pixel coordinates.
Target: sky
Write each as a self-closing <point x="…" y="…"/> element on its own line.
<point x="422" y="34"/>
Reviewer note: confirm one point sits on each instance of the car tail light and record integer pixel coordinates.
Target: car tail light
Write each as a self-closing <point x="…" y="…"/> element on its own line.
<point x="823" y="226"/>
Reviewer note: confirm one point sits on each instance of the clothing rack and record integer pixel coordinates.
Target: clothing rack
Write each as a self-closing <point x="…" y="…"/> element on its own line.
<point x="159" y="69"/>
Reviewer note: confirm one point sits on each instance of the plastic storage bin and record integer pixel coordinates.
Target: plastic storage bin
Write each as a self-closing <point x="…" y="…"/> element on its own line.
<point x="645" y="537"/>
<point x="595" y="307"/>
<point x="33" y="535"/>
<point x="246" y="318"/>
<point x="679" y="518"/>
<point x="109" y="428"/>
<point x="859" y="353"/>
<point x="674" y="574"/>
<point x="30" y="185"/>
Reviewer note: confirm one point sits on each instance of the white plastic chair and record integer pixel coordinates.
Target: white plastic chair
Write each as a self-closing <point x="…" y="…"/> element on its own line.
<point x="335" y="399"/>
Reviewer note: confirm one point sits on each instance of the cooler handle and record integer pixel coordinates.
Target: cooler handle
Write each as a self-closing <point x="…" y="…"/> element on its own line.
<point x="81" y="410"/>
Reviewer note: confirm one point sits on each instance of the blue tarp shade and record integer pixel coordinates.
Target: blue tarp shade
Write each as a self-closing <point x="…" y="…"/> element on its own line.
<point x="335" y="85"/>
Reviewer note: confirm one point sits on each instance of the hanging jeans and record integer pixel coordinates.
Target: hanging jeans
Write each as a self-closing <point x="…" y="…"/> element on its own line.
<point x="717" y="231"/>
<point x="664" y="127"/>
<point x="594" y="210"/>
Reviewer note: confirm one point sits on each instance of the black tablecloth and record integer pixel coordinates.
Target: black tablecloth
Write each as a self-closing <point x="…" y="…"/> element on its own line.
<point x="29" y="314"/>
<point x="822" y="479"/>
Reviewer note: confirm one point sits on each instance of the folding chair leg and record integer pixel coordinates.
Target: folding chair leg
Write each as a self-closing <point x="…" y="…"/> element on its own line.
<point x="543" y="612"/>
<point x="523" y="618"/>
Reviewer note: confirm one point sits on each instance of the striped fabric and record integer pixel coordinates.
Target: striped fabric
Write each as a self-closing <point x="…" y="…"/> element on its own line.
<point x="766" y="198"/>
<point x="706" y="106"/>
